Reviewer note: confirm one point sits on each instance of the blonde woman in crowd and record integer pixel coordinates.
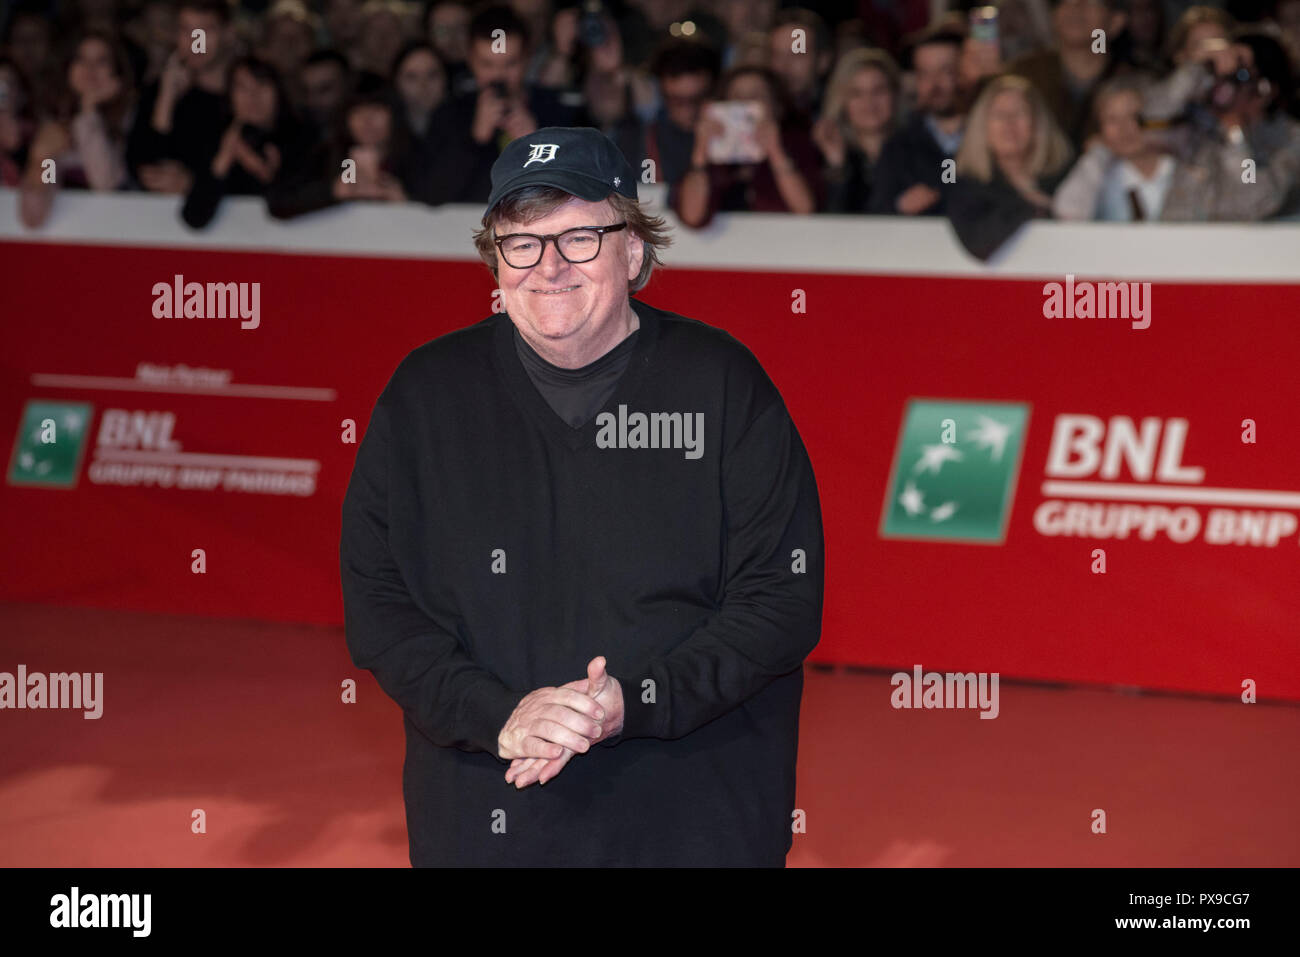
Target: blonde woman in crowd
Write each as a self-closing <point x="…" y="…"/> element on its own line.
<point x="859" y="114"/>
<point x="1012" y="158"/>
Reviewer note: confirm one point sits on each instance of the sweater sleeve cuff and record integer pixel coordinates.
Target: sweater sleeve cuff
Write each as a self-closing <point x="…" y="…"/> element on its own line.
<point x="487" y="713"/>
<point x="640" y="719"/>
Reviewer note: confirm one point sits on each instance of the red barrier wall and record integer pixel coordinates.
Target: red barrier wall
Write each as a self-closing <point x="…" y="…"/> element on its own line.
<point x="1186" y="615"/>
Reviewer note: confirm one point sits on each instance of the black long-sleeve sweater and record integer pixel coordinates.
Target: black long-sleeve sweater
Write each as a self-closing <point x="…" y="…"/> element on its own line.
<point x="293" y="142"/>
<point x="489" y="548"/>
<point x="985" y="215"/>
<point x="198" y="122"/>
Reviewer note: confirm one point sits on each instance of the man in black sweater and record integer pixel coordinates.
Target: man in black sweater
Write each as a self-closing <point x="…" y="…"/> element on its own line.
<point x="582" y="546"/>
<point x="182" y="117"/>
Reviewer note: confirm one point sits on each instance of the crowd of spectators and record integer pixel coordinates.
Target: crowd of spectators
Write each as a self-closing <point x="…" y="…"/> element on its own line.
<point x="990" y="115"/>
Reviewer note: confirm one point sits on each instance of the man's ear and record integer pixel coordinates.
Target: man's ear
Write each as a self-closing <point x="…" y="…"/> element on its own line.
<point x="636" y="253"/>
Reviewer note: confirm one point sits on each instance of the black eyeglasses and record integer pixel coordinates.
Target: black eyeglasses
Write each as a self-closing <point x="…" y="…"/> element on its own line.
<point x="578" y="245"/>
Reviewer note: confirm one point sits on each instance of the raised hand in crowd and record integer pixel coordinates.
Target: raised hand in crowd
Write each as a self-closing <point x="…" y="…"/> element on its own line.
<point x="175" y="81"/>
<point x="236" y="149"/>
<point x="830" y="140"/>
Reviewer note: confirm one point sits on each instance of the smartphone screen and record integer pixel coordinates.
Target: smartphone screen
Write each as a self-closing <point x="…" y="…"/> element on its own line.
<point x="738" y="142"/>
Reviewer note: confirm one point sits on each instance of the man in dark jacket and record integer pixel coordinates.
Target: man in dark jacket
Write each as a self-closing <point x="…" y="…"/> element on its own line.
<point x="1069" y="74"/>
<point x="585" y="521"/>
<point x="910" y="172"/>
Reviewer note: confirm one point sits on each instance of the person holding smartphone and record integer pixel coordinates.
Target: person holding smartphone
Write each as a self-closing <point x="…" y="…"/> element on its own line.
<point x="786" y="177"/>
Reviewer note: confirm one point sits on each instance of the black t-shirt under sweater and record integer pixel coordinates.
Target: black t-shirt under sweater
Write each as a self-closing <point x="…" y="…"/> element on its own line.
<point x="489" y="548"/>
<point x="576" y="394"/>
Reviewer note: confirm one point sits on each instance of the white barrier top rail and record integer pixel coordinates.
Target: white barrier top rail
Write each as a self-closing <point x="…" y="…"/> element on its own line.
<point x="823" y="243"/>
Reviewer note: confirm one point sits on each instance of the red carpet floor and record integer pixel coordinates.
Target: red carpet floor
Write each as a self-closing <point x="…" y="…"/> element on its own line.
<point x="244" y="720"/>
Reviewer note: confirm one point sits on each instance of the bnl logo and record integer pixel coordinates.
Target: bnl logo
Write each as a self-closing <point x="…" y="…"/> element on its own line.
<point x="954" y="471"/>
<point x="50" y="442"/>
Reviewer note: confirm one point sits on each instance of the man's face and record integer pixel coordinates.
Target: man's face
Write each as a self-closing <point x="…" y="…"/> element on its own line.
<point x="684" y="97"/>
<point x="797" y="70"/>
<point x="507" y="67"/>
<point x="187" y="21"/>
<point x="381" y="38"/>
<point x="419" y="81"/>
<point x="935" y="66"/>
<point x="449" y="30"/>
<point x="343" y="21"/>
<point x="1074" y="21"/>
<point x="324" y="85"/>
<point x="287" y="44"/>
<point x="596" y="292"/>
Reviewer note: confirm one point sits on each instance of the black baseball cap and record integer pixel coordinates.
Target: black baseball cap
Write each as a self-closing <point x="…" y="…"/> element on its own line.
<point x="577" y="159"/>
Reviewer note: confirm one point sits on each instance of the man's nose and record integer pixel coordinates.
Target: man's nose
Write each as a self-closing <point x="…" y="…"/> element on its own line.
<point x="552" y="263"/>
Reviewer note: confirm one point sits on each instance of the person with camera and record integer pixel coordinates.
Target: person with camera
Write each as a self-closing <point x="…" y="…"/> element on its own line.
<point x="473" y="128"/>
<point x="1239" y="151"/>
<point x="1198" y="38"/>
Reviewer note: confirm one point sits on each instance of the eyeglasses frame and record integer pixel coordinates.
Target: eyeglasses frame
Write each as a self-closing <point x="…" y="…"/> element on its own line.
<point x="600" y="231"/>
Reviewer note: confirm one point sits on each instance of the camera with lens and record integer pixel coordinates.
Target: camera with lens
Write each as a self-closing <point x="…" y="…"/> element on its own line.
<point x="1230" y="89"/>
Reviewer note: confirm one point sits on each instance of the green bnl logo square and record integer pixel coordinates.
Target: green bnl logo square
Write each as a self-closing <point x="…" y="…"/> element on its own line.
<point x="51" y="438"/>
<point x="954" y="471"/>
